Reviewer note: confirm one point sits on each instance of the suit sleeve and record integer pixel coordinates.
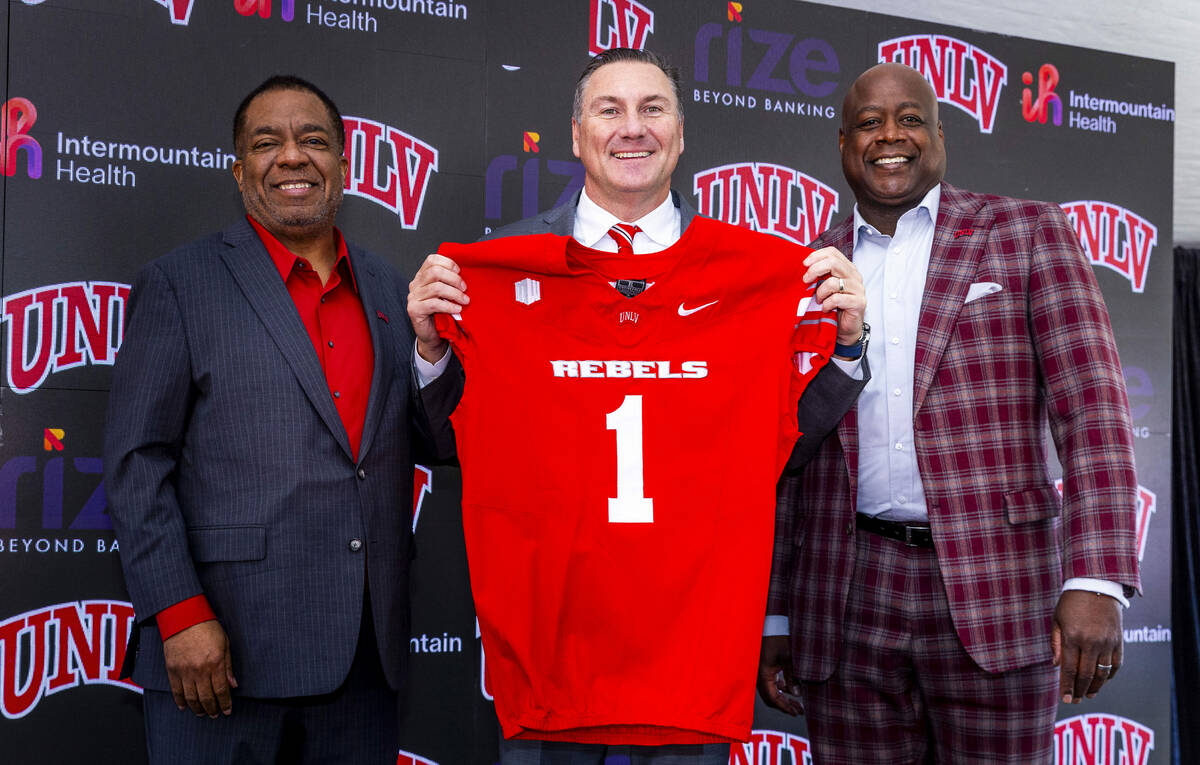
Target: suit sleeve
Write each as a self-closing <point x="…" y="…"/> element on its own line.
<point x="148" y="411"/>
<point x="821" y="407"/>
<point x="1087" y="406"/>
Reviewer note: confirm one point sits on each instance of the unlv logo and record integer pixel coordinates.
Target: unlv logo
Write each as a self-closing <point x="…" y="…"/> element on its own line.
<point x="59" y="647"/>
<point x="619" y="24"/>
<point x="1114" y="237"/>
<point x="18" y="118"/>
<point x="408" y="758"/>
<point x="766" y="747"/>
<point x="1101" y="739"/>
<point x="1146" y="503"/>
<point x="770" y="198"/>
<point x="60" y="327"/>
<point x="181" y="10"/>
<point x="961" y="74"/>
<point x="388" y="167"/>
<point x="422" y="487"/>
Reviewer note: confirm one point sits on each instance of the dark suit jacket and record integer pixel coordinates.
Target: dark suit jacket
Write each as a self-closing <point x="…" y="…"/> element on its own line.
<point x="989" y="375"/>
<point x="229" y="472"/>
<point x="827" y="396"/>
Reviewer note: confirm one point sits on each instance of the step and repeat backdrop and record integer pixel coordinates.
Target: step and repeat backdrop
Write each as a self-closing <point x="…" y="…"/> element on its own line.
<point x="117" y="148"/>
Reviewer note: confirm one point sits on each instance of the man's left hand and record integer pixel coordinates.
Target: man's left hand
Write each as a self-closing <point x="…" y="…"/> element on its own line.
<point x="1086" y="640"/>
<point x="842" y="290"/>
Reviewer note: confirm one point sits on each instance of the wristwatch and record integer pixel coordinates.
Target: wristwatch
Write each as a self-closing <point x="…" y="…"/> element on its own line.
<point x="856" y="350"/>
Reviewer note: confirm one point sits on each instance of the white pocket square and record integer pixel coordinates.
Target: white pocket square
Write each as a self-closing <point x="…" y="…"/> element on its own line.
<point x="979" y="289"/>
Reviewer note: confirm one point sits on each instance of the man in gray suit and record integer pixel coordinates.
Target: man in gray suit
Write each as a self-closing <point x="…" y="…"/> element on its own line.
<point x="627" y="129"/>
<point x="258" y="457"/>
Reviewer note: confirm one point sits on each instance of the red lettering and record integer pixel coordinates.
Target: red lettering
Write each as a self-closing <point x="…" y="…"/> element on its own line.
<point x="25" y="374"/>
<point x="23" y="640"/>
<point x="960" y="74"/>
<point x="410" y="163"/>
<point x="631" y="23"/>
<point x="89" y="309"/>
<point x="79" y="650"/>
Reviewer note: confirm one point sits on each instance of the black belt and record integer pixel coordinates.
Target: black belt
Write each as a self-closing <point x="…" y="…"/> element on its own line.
<point x="911" y="534"/>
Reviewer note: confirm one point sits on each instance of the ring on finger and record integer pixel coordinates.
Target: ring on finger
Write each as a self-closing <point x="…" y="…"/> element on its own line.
<point x="1105" y="667"/>
<point x="841" y="284"/>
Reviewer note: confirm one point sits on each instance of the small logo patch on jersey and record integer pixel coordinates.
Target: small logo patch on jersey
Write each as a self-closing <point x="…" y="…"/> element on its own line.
<point x="631" y="317"/>
<point x="689" y="311"/>
<point x="529" y="291"/>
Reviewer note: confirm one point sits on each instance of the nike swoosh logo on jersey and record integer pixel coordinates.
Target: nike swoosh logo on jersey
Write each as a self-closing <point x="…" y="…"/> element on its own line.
<point x="689" y="311"/>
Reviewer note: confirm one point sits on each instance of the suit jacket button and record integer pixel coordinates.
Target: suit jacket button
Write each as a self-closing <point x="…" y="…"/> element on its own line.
<point x="850" y="527"/>
<point x="362" y="474"/>
<point x="355" y="545"/>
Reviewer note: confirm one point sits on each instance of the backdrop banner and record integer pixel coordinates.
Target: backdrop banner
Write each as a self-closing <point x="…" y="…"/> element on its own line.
<point x="117" y="148"/>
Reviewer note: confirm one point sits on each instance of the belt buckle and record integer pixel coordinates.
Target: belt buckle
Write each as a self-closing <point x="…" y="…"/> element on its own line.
<point x="909" y="533"/>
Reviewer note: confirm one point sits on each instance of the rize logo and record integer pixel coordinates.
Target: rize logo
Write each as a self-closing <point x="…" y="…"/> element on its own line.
<point x="764" y="197"/>
<point x="1038" y="109"/>
<point x="18" y="119"/>
<point x="60" y="647"/>
<point x="1114" y="237"/>
<point x="767" y="747"/>
<point x="181" y="10"/>
<point x="1102" y="739"/>
<point x="287" y="8"/>
<point x="60" y="327"/>
<point x="389" y="167"/>
<point x="618" y="24"/>
<point x="1145" y="506"/>
<point x="961" y="74"/>
<point x="568" y="172"/>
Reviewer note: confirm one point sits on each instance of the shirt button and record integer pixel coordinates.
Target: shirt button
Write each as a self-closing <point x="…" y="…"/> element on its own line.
<point x="362" y="474"/>
<point x="899" y="446"/>
<point x="896" y="392"/>
<point x="322" y="298"/>
<point x="330" y="343"/>
<point x="902" y="499"/>
<point x="895" y="341"/>
<point x="355" y="545"/>
<point x="337" y="394"/>
<point x="894" y="295"/>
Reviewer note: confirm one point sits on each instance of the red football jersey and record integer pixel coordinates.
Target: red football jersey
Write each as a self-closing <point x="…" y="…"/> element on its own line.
<point x="619" y="459"/>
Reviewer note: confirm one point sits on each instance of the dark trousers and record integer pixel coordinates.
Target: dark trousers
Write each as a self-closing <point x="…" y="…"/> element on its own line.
<point x="356" y="724"/>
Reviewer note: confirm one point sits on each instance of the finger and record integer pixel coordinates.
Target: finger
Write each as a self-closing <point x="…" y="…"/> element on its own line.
<point x="192" y="694"/>
<point x="437" y="260"/>
<point x="1068" y="669"/>
<point x="1118" y="655"/>
<point x="177" y="690"/>
<point x="207" y="696"/>
<point x="222" y="692"/>
<point x="1100" y="677"/>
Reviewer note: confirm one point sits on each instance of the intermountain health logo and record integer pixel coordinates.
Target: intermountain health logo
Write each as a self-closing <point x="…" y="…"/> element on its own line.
<point x="961" y="74"/>
<point x="19" y="116"/>
<point x="1048" y="104"/>
<point x="389" y="167"/>
<point x="354" y="15"/>
<point x="766" y="197"/>
<point x="1114" y="237"/>
<point x="56" y="648"/>
<point x="618" y="24"/>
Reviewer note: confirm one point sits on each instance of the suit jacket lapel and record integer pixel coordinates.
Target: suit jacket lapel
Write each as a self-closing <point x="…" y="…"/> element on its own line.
<point x="255" y="274"/>
<point x="367" y="280"/>
<point x="958" y="243"/>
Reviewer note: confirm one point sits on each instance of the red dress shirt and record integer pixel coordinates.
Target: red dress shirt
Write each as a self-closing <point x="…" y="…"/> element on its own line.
<point x="333" y="315"/>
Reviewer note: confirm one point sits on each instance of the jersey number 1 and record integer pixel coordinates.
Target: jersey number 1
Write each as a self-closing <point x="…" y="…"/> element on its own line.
<point x="630" y="505"/>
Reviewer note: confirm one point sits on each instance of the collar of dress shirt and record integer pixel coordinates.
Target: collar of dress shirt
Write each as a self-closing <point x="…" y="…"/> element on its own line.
<point x="592" y="223"/>
<point x="931" y="203"/>
<point x="285" y="260"/>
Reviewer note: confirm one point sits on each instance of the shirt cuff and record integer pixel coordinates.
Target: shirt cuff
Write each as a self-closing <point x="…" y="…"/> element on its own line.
<point x="853" y="368"/>
<point x="1099" y="586"/>
<point x="428" y="372"/>
<point x="186" y="613"/>
<point x="775" y="625"/>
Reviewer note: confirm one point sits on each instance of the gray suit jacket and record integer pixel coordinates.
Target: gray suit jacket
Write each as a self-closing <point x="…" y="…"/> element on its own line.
<point x="229" y="472"/>
<point x="829" y="396"/>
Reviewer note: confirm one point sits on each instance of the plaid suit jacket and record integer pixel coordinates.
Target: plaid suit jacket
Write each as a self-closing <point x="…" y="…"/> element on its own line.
<point x="989" y="376"/>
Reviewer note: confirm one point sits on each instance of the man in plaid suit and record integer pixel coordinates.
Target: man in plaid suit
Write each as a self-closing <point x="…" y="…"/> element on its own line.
<point x="920" y="558"/>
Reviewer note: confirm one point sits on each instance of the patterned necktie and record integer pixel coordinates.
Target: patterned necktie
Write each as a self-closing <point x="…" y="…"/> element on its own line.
<point x="623" y="234"/>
